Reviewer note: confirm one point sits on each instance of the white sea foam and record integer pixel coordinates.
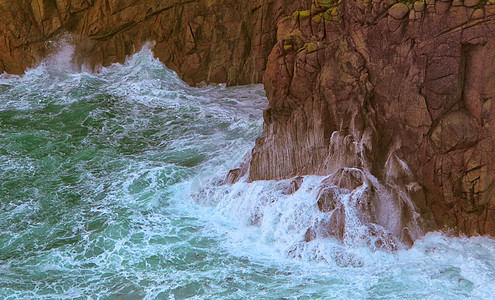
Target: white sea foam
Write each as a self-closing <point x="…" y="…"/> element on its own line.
<point x="262" y="224"/>
<point x="141" y="156"/>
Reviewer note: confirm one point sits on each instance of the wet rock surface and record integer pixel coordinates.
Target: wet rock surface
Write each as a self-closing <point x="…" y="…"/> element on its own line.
<point x="358" y="209"/>
<point x="407" y="87"/>
<point x="203" y="41"/>
<point x="289" y="188"/>
<point x="403" y="90"/>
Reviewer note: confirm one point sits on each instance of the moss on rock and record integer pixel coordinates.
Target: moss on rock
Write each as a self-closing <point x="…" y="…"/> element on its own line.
<point x="311" y="47"/>
<point x="398" y="11"/>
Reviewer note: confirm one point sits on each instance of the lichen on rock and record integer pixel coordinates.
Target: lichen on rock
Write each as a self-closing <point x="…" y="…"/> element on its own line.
<point x="424" y="83"/>
<point x="403" y="89"/>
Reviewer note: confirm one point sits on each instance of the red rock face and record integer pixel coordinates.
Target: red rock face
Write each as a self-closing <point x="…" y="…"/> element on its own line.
<point x="403" y="90"/>
<point x="202" y="40"/>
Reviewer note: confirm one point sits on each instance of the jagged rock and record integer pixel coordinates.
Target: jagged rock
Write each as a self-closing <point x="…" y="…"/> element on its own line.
<point x="382" y="240"/>
<point x="236" y="174"/>
<point x="332" y="227"/>
<point x="398" y="11"/>
<point x="345" y="259"/>
<point x="203" y="41"/>
<point x="292" y="187"/>
<point x="327" y="199"/>
<point x="336" y="226"/>
<point x="378" y="79"/>
<point x="347" y="178"/>
<point x="425" y="84"/>
<point x="310" y="235"/>
<point x="233" y="176"/>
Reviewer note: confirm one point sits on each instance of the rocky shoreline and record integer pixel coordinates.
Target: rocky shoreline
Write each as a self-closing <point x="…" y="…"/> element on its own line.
<point x="402" y="89"/>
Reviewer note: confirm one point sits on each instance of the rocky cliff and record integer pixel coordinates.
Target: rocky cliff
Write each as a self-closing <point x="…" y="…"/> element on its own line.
<point x="406" y="88"/>
<point x="401" y="89"/>
<point x="202" y="40"/>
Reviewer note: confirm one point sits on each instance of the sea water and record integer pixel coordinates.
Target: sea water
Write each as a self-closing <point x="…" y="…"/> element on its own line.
<point x="110" y="188"/>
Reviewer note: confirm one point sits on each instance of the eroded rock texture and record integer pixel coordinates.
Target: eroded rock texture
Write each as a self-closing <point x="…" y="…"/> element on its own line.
<point x="402" y="89"/>
<point x="202" y="40"/>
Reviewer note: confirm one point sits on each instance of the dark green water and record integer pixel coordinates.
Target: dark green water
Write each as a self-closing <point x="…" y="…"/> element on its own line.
<point x="104" y="195"/>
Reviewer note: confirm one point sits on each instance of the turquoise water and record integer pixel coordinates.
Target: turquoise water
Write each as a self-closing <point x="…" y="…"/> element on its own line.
<point x="109" y="190"/>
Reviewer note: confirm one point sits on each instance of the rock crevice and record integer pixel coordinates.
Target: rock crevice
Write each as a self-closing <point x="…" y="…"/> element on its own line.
<point x="203" y="41"/>
<point x="406" y="86"/>
<point x="403" y="90"/>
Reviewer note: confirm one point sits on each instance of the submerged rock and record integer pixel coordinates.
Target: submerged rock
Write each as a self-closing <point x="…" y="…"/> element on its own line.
<point x="336" y="226"/>
<point x="404" y="82"/>
<point x="327" y="199"/>
<point x="292" y="186"/>
<point x="379" y="239"/>
<point x="416" y="90"/>
<point x="233" y="176"/>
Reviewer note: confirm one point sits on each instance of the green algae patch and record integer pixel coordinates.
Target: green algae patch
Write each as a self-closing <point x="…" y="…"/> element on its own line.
<point x="325" y="3"/>
<point x="304" y="14"/>
<point x="330" y="14"/>
<point x="317" y="18"/>
<point x="284" y="19"/>
<point x="311" y="47"/>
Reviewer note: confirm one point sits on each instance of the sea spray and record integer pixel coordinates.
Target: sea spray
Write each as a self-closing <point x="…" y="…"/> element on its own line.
<point x="110" y="188"/>
<point x="350" y="204"/>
